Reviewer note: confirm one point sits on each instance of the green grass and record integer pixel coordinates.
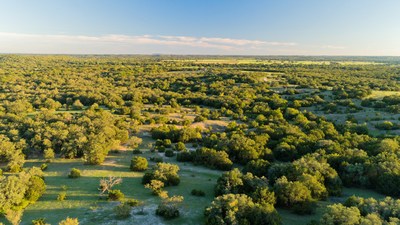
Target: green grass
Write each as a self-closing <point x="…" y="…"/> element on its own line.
<point x="84" y="203"/>
<point x="381" y="94"/>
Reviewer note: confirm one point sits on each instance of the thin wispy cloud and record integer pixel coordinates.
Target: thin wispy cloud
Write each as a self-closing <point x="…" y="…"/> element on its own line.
<point x="108" y="41"/>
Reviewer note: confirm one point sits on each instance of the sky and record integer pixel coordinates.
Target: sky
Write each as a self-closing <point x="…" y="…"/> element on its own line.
<point x="211" y="27"/>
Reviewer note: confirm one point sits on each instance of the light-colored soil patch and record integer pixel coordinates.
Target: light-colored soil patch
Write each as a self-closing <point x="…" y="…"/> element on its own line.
<point x="216" y="125"/>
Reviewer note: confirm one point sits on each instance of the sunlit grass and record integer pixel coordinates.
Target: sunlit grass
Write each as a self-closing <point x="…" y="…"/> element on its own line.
<point x="83" y="200"/>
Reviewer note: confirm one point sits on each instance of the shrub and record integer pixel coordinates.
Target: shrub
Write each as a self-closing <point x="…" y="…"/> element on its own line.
<point x="168" y="209"/>
<point x="48" y="154"/>
<point x="180" y="147"/>
<point x="167" y="212"/>
<point x="43" y="167"/>
<point x="155" y="186"/>
<point x="139" y="164"/>
<point x="196" y="192"/>
<point x="133" y="202"/>
<point x="75" y="173"/>
<point x="40" y="221"/>
<point x="62" y="196"/>
<point x="36" y="189"/>
<point x="69" y="221"/>
<point x="122" y="211"/>
<point x="165" y="172"/>
<point x="115" y="195"/>
<point x="167" y="143"/>
<point x="213" y="159"/>
<point x="199" y="119"/>
<point x="169" y="153"/>
<point x="160" y="148"/>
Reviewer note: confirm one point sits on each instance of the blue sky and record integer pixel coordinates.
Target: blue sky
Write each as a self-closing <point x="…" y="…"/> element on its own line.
<point x="245" y="27"/>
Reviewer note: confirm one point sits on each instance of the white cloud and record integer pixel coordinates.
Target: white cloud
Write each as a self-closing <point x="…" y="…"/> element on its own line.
<point x="115" y="43"/>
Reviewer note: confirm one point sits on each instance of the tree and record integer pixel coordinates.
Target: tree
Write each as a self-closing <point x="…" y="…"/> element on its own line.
<point x="257" y="167"/>
<point x="139" y="163"/>
<point x="294" y="195"/>
<point x="12" y="192"/>
<point x="36" y="188"/>
<point x="77" y="105"/>
<point x="48" y="153"/>
<point x="339" y="214"/>
<point x="212" y="158"/>
<point x="240" y="209"/>
<point x="180" y="147"/>
<point x="11" y="154"/>
<point x="134" y="142"/>
<point x="164" y="172"/>
<point x="106" y="184"/>
<point x="13" y="216"/>
<point x="155" y="186"/>
<point x="318" y="190"/>
<point x="388" y="145"/>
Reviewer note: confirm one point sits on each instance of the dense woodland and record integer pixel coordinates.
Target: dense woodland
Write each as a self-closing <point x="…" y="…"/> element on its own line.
<point x="278" y="150"/>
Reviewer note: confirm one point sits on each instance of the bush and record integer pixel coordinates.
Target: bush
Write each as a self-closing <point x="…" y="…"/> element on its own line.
<point x="167" y="212"/>
<point x="168" y="208"/>
<point x="75" y="173"/>
<point x="115" y="195"/>
<point x="122" y="211"/>
<point x="213" y="159"/>
<point x="164" y="172"/>
<point x="43" y="167"/>
<point x="196" y="192"/>
<point x="167" y="143"/>
<point x="180" y="147"/>
<point x="36" y="189"/>
<point x="69" y="221"/>
<point x="160" y="148"/>
<point x="62" y="196"/>
<point x="155" y="186"/>
<point x="169" y="153"/>
<point x="40" y="221"/>
<point x="139" y="164"/>
<point x="133" y="202"/>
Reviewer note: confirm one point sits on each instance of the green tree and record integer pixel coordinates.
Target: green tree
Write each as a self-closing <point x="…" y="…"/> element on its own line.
<point x="139" y="163"/>
<point x="339" y="214"/>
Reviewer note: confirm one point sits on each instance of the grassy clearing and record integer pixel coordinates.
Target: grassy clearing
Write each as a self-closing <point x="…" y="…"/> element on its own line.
<point x="84" y="203"/>
<point x="381" y="94"/>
